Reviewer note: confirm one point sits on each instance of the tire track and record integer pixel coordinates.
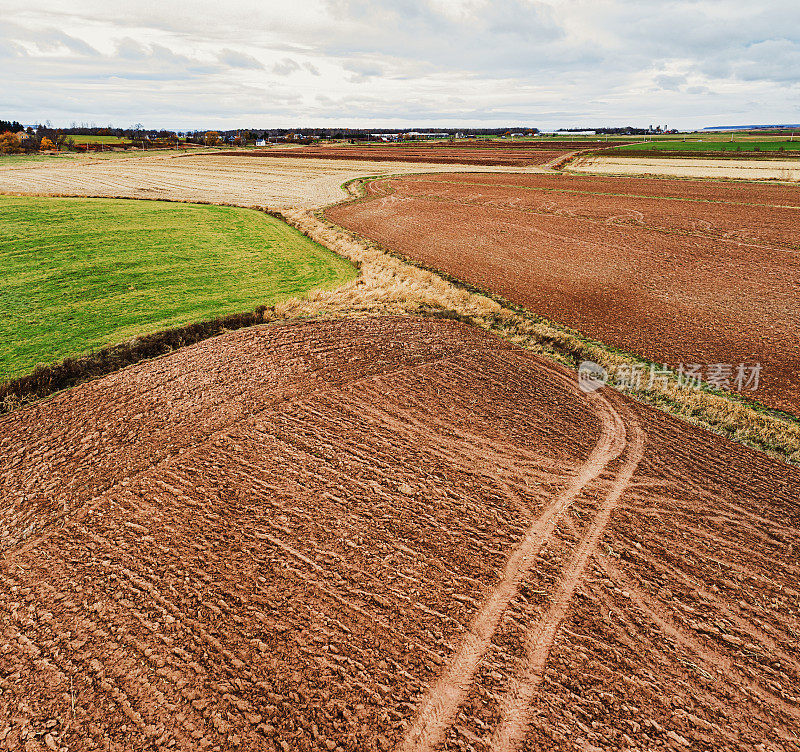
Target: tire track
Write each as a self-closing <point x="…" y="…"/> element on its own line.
<point x="513" y="726"/>
<point x="713" y="661"/>
<point x="437" y="712"/>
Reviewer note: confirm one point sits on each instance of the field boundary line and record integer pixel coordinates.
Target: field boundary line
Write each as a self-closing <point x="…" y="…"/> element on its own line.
<point x="390" y="284"/>
<point x="728" y="414"/>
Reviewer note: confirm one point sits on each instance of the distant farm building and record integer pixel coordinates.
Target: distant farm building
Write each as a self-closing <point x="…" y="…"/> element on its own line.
<point x="421" y="136"/>
<point x="567" y="133"/>
<point x="407" y="136"/>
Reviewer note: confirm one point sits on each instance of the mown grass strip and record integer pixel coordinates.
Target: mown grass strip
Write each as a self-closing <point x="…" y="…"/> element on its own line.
<point x="740" y="146"/>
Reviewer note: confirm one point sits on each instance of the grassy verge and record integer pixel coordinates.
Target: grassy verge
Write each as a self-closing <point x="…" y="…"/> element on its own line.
<point x="744" y="156"/>
<point x="82" y="274"/>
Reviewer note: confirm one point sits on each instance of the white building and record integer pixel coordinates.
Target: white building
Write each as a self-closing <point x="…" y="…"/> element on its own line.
<point x="422" y="135"/>
<point x="567" y="133"/>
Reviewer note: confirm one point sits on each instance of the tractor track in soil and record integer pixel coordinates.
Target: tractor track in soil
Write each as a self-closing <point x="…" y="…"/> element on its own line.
<point x="438" y="710"/>
<point x="388" y="533"/>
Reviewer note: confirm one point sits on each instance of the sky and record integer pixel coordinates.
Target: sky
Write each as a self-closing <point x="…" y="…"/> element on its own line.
<point x="400" y="63"/>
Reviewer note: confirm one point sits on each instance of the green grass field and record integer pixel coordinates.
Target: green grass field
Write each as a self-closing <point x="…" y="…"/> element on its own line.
<point x="78" y="274"/>
<point x="716" y="144"/>
<point x="108" y="140"/>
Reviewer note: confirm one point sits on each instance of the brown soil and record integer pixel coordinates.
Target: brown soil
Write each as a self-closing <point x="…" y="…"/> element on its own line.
<point x="387" y="533"/>
<point x="675" y="271"/>
<point x="503" y="154"/>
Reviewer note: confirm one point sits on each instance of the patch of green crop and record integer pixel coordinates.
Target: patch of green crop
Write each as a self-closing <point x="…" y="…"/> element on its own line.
<point x="78" y="274"/>
<point x="715" y="145"/>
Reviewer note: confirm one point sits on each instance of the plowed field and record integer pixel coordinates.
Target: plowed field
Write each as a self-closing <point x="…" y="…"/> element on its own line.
<point x="492" y="153"/>
<point x="676" y="271"/>
<point x="387" y="534"/>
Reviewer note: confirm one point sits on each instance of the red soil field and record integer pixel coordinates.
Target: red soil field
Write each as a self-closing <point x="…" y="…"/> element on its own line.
<point x="386" y="534"/>
<point x="673" y="270"/>
<point x="503" y="154"/>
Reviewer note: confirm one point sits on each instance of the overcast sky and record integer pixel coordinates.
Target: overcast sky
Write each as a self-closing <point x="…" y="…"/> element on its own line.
<point x="392" y="63"/>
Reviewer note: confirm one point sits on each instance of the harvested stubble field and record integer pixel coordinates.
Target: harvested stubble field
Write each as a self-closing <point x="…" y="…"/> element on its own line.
<point x="275" y="182"/>
<point x="387" y="533"/>
<point x="674" y="271"/>
<point x="730" y="169"/>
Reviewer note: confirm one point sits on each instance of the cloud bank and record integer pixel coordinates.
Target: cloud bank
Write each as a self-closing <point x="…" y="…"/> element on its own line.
<point x="546" y="63"/>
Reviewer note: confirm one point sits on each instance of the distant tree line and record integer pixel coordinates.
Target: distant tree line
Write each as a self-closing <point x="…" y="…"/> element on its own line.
<point x="16" y="138"/>
<point x="627" y="130"/>
<point x="9" y="126"/>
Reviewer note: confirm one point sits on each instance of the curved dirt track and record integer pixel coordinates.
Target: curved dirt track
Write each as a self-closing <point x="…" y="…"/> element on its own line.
<point x="682" y="272"/>
<point x="438" y="711"/>
<point x="283" y="537"/>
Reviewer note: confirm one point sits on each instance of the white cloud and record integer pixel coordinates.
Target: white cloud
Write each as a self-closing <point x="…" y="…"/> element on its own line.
<point x="285" y="67"/>
<point x="402" y="62"/>
<point x="362" y="70"/>
<point x="234" y="59"/>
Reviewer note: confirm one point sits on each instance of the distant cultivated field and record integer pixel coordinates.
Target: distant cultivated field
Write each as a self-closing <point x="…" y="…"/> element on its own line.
<point x="729" y="169"/>
<point x="79" y="274"/>
<point x="721" y="146"/>
<point x="490" y="153"/>
<point x="279" y="183"/>
<point x="675" y="271"/>
<point x="108" y="140"/>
